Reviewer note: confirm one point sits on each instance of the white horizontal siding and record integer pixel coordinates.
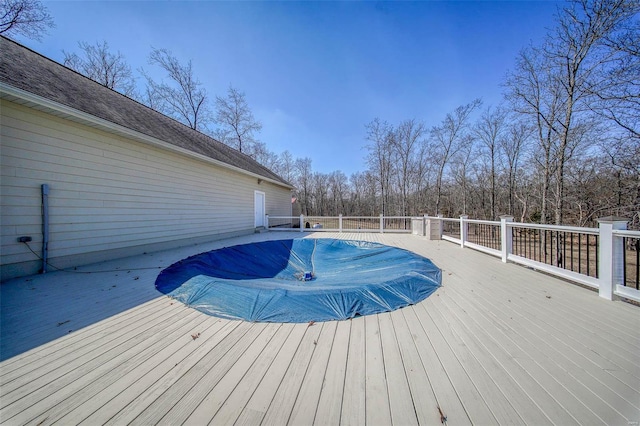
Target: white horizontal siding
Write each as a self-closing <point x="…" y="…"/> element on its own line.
<point x="109" y="193"/>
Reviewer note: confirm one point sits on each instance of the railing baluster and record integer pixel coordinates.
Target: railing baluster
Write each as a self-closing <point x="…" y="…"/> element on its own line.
<point x="624" y="264"/>
<point x="637" y="263"/>
<point x="580" y="255"/>
<point x="588" y="260"/>
<point x="564" y="250"/>
<point x="571" y="251"/>
<point x="596" y="249"/>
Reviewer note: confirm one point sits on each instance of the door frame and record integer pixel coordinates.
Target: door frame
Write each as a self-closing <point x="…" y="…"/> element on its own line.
<point x="255" y="208"/>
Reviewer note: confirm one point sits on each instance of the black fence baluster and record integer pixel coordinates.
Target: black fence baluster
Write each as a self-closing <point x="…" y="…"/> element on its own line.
<point x="580" y="253"/>
<point x="637" y="263"/>
<point x="595" y="273"/>
<point x="571" y="250"/>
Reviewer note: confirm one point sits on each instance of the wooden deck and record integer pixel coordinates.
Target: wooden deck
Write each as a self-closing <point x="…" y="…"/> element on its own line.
<point x="496" y="344"/>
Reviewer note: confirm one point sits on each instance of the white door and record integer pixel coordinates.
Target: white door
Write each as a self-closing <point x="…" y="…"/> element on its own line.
<point x="259" y="208"/>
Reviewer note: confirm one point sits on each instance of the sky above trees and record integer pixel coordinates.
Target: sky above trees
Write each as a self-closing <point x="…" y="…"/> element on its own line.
<point x="315" y="74"/>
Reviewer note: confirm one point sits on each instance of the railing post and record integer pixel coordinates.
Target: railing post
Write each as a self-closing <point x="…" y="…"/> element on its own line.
<point x="266" y="221"/>
<point x="381" y="223"/>
<point x="301" y="223"/>
<point x="441" y="225"/>
<point x="340" y="222"/>
<point x="506" y="240"/>
<point x="424" y="225"/>
<point x="611" y="254"/>
<point x="464" y="230"/>
<point x="434" y="228"/>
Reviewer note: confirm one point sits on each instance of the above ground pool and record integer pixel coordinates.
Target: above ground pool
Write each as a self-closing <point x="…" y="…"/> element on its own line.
<point x="300" y="280"/>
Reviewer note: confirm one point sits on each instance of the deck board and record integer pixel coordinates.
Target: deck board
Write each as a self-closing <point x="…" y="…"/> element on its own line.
<point x="306" y="404"/>
<point x="353" y="410"/>
<point x="262" y="394"/>
<point x="401" y="403"/>
<point x="227" y="399"/>
<point x="377" y="410"/>
<point x="332" y="394"/>
<point x="445" y="394"/>
<point x="497" y="344"/>
<point x="279" y="410"/>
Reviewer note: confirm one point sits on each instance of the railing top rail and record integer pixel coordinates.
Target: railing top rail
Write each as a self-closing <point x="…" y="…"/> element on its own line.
<point x="347" y="217"/>
<point x="576" y="229"/>
<point x="397" y="217"/>
<point x="485" y="222"/>
<point x="322" y="217"/>
<point x="626" y="233"/>
<point x="362" y="217"/>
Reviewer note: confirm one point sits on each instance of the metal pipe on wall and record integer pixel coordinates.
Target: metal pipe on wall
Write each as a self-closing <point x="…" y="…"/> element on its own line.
<point x="45" y="226"/>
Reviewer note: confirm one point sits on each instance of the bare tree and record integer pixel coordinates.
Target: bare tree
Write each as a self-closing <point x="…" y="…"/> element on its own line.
<point x="304" y="183"/>
<point x="462" y="163"/>
<point x="422" y="174"/>
<point x="286" y="166"/>
<point x="237" y="123"/>
<point x="338" y="185"/>
<point x="408" y="137"/>
<point x="379" y="159"/>
<point x="262" y="155"/>
<point x="614" y="87"/>
<point x="363" y="195"/>
<point x="512" y="145"/>
<point x="556" y="84"/>
<point x="320" y="182"/>
<point x="184" y="99"/>
<point x="447" y="139"/>
<point x="100" y="65"/>
<point x="572" y="52"/>
<point x="489" y="129"/>
<point x="29" y="18"/>
<point x="533" y="92"/>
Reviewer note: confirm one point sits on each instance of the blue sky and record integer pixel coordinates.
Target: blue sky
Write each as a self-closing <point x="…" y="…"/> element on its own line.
<point x="315" y="73"/>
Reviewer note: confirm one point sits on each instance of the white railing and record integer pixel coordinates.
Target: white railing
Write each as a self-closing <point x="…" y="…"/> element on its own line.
<point x="302" y="223"/>
<point x="595" y="257"/>
<point x="481" y="235"/>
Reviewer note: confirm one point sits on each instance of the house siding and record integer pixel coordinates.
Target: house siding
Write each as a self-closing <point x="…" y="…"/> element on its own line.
<point x="111" y="196"/>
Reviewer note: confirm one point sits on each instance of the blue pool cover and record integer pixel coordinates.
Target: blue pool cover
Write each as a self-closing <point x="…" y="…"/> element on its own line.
<point x="300" y="280"/>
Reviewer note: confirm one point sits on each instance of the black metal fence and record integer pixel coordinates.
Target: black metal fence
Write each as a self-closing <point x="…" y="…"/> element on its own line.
<point x="484" y="234"/>
<point x="574" y="251"/>
<point x="632" y="262"/>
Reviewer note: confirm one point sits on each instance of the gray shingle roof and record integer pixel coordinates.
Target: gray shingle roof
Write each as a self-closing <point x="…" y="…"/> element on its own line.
<point x="27" y="70"/>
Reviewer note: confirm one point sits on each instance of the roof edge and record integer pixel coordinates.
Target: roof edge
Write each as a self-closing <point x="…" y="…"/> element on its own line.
<point x="106" y="125"/>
